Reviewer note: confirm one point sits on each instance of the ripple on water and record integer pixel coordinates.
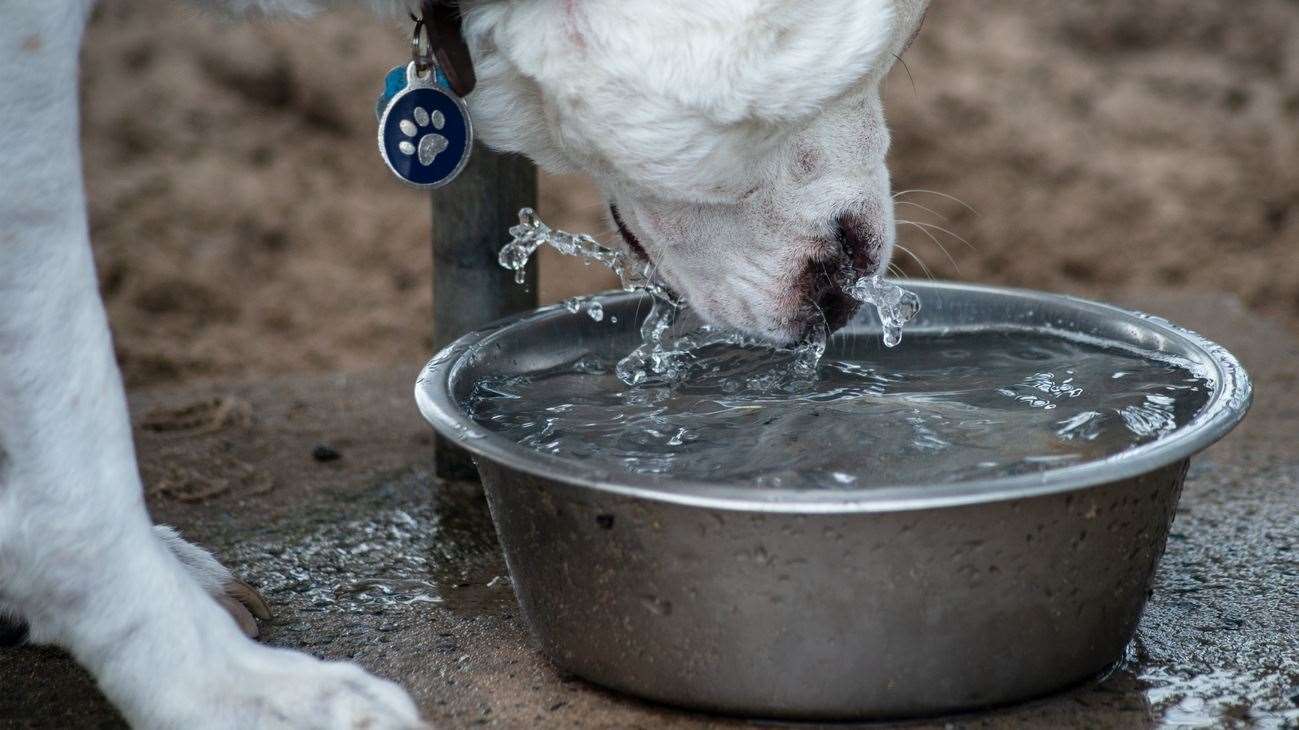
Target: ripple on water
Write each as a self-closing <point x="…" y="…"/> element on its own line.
<point x="988" y="404"/>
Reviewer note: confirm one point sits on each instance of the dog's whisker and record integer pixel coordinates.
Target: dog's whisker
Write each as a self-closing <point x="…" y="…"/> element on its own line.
<point x="952" y="198"/>
<point x="923" y="266"/>
<point x="938" y="243"/>
<point x="943" y="230"/>
<point x="922" y="207"/>
<point x="910" y="78"/>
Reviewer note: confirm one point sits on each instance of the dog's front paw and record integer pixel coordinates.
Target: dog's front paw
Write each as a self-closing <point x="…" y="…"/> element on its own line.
<point x="273" y="689"/>
<point x="426" y="143"/>
<point x="292" y="691"/>
<point x="239" y="599"/>
<point x="207" y="677"/>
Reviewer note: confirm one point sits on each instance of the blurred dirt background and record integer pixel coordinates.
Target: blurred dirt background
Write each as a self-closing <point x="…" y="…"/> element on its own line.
<point x="244" y="225"/>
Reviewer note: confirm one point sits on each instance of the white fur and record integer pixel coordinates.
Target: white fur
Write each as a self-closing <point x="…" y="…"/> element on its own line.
<point x="731" y="133"/>
<point x="695" y="119"/>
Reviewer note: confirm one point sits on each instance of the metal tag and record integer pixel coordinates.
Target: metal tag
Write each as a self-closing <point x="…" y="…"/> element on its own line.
<point x="425" y="134"/>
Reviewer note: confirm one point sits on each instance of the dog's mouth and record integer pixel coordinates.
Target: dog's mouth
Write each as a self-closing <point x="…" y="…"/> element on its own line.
<point x="633" y="243"/>
<point x="642" y="256"/>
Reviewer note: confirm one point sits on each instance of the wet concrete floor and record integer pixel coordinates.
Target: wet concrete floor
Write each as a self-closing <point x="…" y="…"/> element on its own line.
<point x="321" y="492"/>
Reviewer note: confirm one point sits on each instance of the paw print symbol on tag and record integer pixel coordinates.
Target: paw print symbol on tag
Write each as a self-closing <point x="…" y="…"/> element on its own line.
<point x="430" y="143"/>
<point x="424" y="131"/>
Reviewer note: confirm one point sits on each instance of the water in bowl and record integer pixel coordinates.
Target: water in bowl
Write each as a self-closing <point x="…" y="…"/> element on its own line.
<point x="941" y="408"/>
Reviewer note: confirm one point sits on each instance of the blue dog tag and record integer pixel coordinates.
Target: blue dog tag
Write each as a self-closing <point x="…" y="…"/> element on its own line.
<point x="425" y="135"/>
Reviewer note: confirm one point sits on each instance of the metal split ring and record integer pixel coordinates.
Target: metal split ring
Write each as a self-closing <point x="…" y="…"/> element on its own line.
<point x="421" y="53"/>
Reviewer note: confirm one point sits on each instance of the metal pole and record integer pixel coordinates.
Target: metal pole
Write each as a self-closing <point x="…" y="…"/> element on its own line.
<point x="469" y="288"/>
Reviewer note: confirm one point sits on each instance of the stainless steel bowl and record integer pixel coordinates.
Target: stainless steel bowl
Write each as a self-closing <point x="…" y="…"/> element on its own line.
<point x="882" y="602"/>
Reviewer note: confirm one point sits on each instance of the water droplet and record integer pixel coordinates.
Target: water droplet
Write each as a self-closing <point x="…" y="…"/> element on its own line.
<point x="896" y="306"/>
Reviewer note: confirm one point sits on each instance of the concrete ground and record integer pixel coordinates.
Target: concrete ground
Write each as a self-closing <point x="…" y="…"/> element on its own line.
<point x="367" y="556"/>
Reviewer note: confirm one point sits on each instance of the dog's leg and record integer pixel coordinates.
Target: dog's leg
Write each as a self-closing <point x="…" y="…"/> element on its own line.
<point x="79" y="560"/>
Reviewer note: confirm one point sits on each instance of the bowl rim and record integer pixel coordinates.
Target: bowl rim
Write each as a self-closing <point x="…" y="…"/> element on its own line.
<point x="1225" y="408"/>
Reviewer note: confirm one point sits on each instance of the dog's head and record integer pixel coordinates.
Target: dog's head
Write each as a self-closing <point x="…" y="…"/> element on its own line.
<point x="741" y="143"/>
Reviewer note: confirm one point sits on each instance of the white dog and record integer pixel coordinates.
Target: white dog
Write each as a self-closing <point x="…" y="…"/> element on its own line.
<point x="741" y="144"/>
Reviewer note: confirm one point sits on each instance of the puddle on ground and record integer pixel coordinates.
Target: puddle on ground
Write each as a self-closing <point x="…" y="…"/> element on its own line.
<point x="1220" y="698"/>
<point x="1178" y="691"/>
<point x="380" y="555"/>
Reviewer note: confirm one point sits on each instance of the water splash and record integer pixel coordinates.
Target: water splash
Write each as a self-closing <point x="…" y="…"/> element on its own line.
<point x="653" y="355"/>
<point x="896" y="306"/>
<point x="808" y="353"/>
<point x="663" y="357"/>
<point x="656" y="358"/>
<point x="531" y="234"/>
